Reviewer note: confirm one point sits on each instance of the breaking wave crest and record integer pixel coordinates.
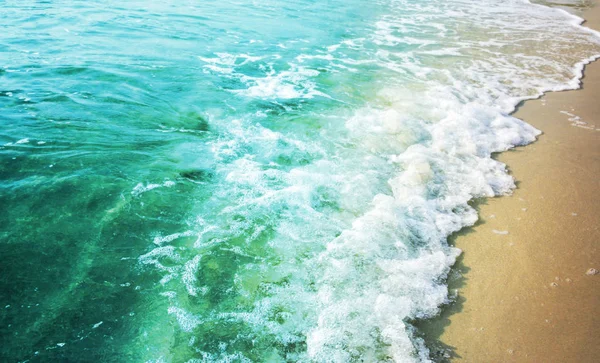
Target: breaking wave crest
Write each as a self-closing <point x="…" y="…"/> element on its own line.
<point x="333" y="191"/>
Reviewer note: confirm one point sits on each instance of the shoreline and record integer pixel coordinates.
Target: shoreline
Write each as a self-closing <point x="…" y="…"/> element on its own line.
<point x="523" y="287"/>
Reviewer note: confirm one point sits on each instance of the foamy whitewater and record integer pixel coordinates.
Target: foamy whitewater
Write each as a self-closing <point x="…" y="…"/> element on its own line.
<point x="268" y="181"/>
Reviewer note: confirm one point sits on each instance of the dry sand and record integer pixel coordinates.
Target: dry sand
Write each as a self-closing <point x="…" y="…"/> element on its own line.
<point x="524" y="291"/>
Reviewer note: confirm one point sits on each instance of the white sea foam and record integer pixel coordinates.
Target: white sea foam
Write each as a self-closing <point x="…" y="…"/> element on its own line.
<point x="352" y="244"/>
<point x="160" y="240"/>
<point x="186" y="320"/>
<point x="295" y="83"/>
<point x="140" y="188"/>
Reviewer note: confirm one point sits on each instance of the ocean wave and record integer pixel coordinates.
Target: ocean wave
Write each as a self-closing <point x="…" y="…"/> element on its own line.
<point x="332" y="259"/>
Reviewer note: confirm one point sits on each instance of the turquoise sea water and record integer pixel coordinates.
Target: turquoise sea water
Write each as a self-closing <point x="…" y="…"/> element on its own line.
<point x="265" y="181"/>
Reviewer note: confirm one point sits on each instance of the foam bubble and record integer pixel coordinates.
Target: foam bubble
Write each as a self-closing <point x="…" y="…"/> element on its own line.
<point x="327" y="241"/>
<point x="140" y="188"/>
<point x="291" y="84"/>
<point x="187" y="321"/>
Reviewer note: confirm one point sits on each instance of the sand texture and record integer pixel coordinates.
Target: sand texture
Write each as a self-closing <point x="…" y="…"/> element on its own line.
<point x="525" y="284"/>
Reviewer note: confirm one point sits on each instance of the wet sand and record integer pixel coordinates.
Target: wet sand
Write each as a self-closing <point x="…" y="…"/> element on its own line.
<point x="525" y="292"/>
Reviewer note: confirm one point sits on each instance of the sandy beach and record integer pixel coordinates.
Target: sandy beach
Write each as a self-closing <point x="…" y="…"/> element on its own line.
<point x="277" y="181"/>
<point x="525" y="284"/>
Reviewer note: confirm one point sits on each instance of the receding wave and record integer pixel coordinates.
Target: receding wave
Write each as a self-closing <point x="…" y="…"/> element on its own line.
<point x="295" y="169"/>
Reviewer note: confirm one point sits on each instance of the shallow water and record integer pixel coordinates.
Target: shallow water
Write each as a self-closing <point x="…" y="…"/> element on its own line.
<point x="253" y="181"/>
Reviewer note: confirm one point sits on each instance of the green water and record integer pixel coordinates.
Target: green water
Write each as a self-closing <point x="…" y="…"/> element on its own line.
<point x="106" y="97"/>
<point x="251" y="181"/>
